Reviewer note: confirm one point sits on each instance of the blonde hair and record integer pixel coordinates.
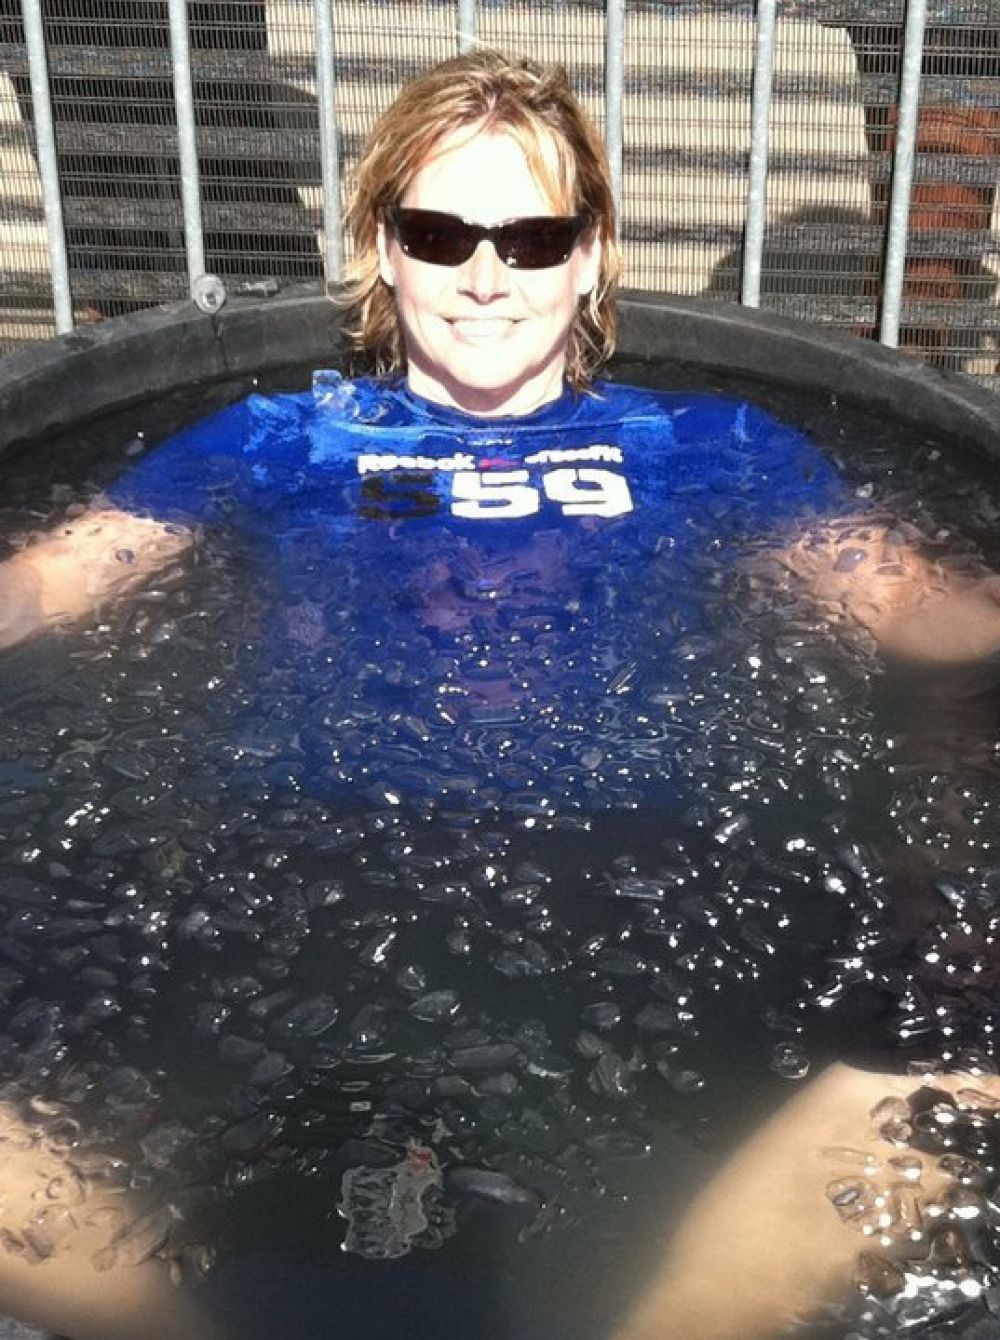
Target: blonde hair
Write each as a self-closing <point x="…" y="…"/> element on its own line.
<point x="539" y="110"/>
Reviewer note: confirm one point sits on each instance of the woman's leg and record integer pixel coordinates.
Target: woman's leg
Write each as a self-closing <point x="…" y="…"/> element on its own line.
<point x="810" y="1197"/>
<point x="77" y="1259"/>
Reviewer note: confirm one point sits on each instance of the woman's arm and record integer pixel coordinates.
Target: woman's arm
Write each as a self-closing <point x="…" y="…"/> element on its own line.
<point x="919" y="608"/>
<point x="67" y="573"/>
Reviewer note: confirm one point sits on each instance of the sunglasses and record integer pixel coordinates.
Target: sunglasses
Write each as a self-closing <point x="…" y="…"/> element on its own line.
<point x="523" y="244"/>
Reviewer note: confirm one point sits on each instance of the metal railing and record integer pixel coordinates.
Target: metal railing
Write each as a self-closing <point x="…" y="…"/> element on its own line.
<point x="611" y="75"/>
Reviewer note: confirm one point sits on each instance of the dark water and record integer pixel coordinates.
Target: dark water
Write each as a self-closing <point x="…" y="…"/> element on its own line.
<point x="254" y="992"/>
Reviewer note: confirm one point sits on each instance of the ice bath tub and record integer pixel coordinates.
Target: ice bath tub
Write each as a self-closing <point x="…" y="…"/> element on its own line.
<point x="568" y="1026"/>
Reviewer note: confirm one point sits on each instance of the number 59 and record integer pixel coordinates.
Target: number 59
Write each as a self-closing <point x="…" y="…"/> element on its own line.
<point x="507" y="494"/>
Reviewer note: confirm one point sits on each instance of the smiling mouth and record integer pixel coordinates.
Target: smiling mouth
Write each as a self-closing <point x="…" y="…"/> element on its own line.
<point x="481" y="329"/>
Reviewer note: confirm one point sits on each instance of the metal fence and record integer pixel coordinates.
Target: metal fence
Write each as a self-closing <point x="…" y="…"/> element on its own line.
<point x="835" y="160"/>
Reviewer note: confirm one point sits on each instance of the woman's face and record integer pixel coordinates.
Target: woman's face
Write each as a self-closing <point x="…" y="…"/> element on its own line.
<point x="480" y="336"/>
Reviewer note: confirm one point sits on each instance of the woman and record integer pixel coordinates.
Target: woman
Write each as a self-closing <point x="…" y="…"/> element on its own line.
<point x="489" y="482"/>
<point x="491" y="324"/>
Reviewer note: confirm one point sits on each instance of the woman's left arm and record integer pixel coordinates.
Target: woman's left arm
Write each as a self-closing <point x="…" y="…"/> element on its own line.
<point x="919" y="608"/>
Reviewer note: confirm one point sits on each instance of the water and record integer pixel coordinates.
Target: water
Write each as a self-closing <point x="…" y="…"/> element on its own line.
<point x="529" y="996"/>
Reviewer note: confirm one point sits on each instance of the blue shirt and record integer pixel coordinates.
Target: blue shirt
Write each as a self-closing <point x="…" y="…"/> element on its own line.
<point x="488" y="608"/>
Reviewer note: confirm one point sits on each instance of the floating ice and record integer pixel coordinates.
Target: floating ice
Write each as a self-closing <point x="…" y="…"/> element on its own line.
<point x="389" y="1209"/>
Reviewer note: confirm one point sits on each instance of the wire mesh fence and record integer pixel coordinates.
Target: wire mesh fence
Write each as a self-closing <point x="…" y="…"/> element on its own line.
<point x="688" y="84"/>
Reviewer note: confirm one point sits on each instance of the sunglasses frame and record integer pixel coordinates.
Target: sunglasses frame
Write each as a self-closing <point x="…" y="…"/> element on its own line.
<point x="472" y="234"/>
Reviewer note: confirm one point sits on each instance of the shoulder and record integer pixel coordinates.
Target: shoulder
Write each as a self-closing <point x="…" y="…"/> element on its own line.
<point x="694" y="416"/>
<point x="620" y="400"/>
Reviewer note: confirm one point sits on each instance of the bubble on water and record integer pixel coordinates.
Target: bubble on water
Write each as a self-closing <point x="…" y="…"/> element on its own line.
<point x="452" y="1088"/>
<point x="529" y="959"/>
<point x="961" y="1169"/>
<point x="533" y="1037"/>
<point x="521" y="897"/>
<point x="907" y="1166"/>
<point x="504" y="1085"/>
<point x="237" y="988"/>
<point x="375" y="953"/>
<point x="367" y="1028"/>
<point x="949" y="1247"/>
<point x="269" y="1069"/>
<point x="325" y="893"/>
<point x="309" y="1018"/>
<point x="486" y="1184"/>
<point x="102" y="1007"/>
<point x="263" y="1007"/>
<point x="619" y="1146"/>
<point x="976" y="1100"/>
<point x="67" y="1188"/>
<point x="876" y="1275"/>
<point x="99" y="1169"/>
<point x="485" y="1056"/>
<point x="790" y="1061"/>
<point x="104" y="1217"/>
<point x="411" y="979"/>
<point x="254" y="1134"/>
<point x="621" y="963"/>
<point x="602" y="1014"/>
<point x="852" y="1197"/>
<point x="164" y="1144"/>
<point x="590" y="1045"/>
<point x="684" y="1082"/>
<point x="612" y="1077"/>
<point x="48" y="1231"/>
<point x="656" y="1018"/>
<point x="211" y="1017"/>
<point x="144" y="1237"/>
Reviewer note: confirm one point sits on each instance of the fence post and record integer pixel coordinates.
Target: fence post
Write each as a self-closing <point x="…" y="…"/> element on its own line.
<point x="329" y="141"/>
<point x="187" y="145"/>
<point x="614" y="93"/>
<point x="467" y="26"/>
<point x="760" y="121"/>
<point x="48" y="164"/>
<point x="903" y="163"/>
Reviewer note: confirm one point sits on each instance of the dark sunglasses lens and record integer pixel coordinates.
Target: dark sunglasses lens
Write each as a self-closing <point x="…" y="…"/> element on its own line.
<point x="537" y="244"/>
<point x="440" y="239"/>
<point x="524" y="244"/>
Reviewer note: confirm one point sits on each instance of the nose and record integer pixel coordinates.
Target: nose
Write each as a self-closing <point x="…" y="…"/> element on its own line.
<point x="484" y="275"/>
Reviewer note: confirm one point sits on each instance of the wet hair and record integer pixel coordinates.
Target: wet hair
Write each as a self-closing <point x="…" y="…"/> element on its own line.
<point x="486" y="91"/>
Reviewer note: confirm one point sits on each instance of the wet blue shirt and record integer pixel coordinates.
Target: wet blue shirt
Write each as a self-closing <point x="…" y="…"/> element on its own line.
<point x="358" y="450"/>
<point x="461" y="601"/>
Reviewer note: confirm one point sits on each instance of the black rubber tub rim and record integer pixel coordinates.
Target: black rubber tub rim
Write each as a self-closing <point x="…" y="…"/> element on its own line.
<point x="114" y="364"/>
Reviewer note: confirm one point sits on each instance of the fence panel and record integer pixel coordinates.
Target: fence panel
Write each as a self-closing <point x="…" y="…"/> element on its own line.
<point x="826" y="263"/>
<point x="686" y="120"/>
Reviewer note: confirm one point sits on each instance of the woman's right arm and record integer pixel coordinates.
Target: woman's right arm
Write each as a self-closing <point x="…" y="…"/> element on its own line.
<point x="69" y="572"/>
